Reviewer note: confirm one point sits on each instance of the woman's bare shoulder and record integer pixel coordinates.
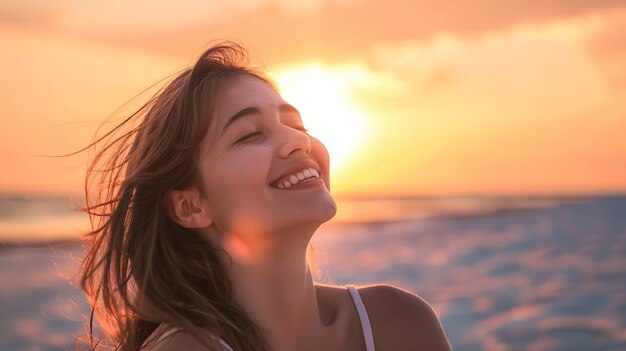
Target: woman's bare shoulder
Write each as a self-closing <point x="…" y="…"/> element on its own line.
<point x="402" y="320"/>
<point x="180" y="340"/>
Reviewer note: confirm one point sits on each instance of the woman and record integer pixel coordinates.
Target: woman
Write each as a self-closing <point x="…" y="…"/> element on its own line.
<point x="205" y="213"/>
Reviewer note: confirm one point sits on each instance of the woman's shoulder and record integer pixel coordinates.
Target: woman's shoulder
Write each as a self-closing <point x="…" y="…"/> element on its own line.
<point x="176" y="340"/>
<point x="168" y="338"/>
<point x="401" y="319"/>
<point x="395" y="301"/>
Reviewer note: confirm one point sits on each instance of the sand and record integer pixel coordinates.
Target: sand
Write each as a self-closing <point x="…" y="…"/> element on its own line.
<point x="537" y="279"/>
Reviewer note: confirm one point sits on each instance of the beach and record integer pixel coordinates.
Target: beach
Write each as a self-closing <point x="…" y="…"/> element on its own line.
<point x="548" y="276"/>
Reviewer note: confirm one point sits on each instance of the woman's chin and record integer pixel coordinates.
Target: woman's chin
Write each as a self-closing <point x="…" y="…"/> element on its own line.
<point x="314" y="214"/>
<point x="324" y="208"/>
<point x="331" y="210"/>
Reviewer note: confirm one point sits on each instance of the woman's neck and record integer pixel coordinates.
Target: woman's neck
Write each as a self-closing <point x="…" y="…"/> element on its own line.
<point x="272" y="282"/>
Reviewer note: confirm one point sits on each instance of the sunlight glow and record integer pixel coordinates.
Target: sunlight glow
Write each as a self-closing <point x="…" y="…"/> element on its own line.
<point x="322" y="94"/>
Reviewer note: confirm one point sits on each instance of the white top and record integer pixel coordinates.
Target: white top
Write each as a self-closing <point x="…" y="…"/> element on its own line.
<point x="360" y="307"/>
<point x="172" y="330"/>
<point x="365" y="321"/>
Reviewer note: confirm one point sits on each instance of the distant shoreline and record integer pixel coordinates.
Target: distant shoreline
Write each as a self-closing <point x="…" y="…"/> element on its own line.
<point x="38" y="221"/>
<point x="47" y="244"/>
<point x="351" y="197"/>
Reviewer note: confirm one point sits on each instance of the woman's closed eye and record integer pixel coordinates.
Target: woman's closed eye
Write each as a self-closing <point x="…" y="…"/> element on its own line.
<point x="248" y="136"/>
<point x="254" y="134"/>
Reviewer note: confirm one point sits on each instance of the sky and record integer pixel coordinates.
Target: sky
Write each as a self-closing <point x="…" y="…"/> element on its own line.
<point x="411" y="97"/>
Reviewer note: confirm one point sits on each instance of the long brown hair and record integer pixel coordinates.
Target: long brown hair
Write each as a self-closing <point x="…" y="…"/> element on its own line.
<point x="138" y="257"/>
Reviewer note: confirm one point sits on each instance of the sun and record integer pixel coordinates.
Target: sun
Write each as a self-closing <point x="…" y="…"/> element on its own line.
<point x="322" y="95"/>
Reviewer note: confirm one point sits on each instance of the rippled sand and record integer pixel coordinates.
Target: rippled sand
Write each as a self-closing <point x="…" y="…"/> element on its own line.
<point x="545" y="279"/>
<point x="552" y="279"/>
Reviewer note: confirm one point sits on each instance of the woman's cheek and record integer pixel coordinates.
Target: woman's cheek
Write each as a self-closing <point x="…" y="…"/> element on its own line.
<point x="251" y="164"/>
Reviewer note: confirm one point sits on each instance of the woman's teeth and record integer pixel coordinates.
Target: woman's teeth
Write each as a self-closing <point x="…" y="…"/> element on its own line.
<point x="306" y="175"/>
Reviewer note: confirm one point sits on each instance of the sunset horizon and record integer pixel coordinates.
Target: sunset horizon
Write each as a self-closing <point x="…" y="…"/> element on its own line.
<point x="522" y="102"/>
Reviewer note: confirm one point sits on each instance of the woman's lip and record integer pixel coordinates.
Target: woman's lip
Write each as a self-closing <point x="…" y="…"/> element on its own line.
<point x="274" y="184"/>
<point x="304" y="185"/>
<point x="293" y="170"/>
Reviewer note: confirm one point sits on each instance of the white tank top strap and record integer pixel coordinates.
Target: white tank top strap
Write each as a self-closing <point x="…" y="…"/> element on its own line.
<point x="173" y="330"/>
<point x="167" y="333"/>
<point x="365" y="321"/>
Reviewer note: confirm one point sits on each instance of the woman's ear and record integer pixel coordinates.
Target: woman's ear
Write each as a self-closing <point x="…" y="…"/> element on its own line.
<point x="187" y="208"/>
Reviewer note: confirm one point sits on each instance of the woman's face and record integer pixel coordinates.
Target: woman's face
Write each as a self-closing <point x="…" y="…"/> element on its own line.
<point x="259" y="172"/>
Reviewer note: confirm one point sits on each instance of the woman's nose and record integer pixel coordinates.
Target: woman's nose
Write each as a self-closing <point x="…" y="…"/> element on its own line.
<point x="294" y="140"/>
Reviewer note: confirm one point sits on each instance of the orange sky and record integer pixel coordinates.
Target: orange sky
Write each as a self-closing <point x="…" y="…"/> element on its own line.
<point x="456" y="98"/>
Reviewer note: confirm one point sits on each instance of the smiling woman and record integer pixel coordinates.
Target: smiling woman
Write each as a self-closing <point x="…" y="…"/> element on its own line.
<point x="203" y="219"/>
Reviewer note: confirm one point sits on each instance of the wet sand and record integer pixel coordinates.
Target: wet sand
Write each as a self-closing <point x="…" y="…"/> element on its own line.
<point x="543" y="279"/>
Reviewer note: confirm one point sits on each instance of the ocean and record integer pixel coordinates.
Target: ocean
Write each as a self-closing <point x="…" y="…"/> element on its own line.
<point x="502" y="273"/>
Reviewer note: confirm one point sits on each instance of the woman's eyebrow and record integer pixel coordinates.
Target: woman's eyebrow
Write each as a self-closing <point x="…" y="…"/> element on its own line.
<point x="253" y="110"/>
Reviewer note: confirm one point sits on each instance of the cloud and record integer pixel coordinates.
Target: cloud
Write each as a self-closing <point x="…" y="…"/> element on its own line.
<point x="314" y="28"/>
<point x="20" y="13"/>
<point x="608" y="47"/>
